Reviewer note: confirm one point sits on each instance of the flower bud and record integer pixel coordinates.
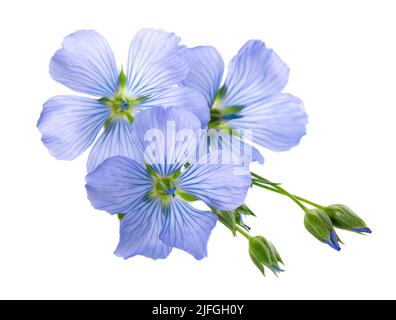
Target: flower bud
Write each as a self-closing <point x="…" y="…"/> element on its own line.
<point x="344" y="218"/>
<point x="263" y="253"/>
<point x="318" y="223"/>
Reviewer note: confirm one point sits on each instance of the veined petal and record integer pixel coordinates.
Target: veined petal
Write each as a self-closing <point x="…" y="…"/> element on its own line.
<point x="116" y="140"/>
<point x="277" y="123"/>
<point x="86" y="64"/>
<point x="70" y="124"/>
<point x="140" y="230"/>
<point x="254" y="73"/>
<point x="257" y="156"/>
<point x="165" y="138"/>
<point x="187" y="228"/>
<point x="186" y="98"/>
<point x="206" y="71"/>
<point x="156" y="62"/>
<point x="214" y="180"/>
<point x="117" y="185"/>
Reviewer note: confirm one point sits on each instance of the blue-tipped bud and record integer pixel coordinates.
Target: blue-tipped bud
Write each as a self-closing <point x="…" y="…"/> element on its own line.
<point x="362" y="230"/>
<point x="318" y="223"/>
<point x="263" y="253"/>
<point x="344" y="218"/>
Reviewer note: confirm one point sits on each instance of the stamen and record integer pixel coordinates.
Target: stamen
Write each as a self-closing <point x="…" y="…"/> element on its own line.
<point x="124" y="105"/>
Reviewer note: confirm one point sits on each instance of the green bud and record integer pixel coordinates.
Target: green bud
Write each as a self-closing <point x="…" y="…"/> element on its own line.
<point x="232" y="218"/>
<point x="318" y="223"/>
<point x="263" y="253"/>
<point x="344" y="218"/>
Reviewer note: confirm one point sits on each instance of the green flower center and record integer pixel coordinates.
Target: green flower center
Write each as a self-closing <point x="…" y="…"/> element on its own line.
<point x="122" y="105"/>
<point x="164" y="188"/>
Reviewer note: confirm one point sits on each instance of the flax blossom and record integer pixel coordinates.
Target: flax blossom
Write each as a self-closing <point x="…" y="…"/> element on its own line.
<point x="85" y="63"/>
<point x="251" y="97"/>
<point x="152" y="188"/>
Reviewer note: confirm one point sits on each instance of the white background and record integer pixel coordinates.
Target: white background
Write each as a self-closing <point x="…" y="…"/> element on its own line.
<point x="342" y="56"/>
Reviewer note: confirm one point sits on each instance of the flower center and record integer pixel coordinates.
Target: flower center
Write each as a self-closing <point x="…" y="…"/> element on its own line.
<point x="122" y="105"/>
<point x="220" y="115"/>
<point x="164" y="188"/>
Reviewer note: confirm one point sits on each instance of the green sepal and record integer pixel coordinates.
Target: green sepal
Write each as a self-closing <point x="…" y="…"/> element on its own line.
<point x="108" y="121"/>
<point x="233" y="109"/>
<point x="245" y="210"/>
<point x="139" y="99"/>
<point x="187" y="197"/>
<point x="228" y="219"/>
<point x="129" y="117"/>
<point x="106" y="100"/>
<point x="177" y="174"/>
<point x="257" y="263"/>
<point x="151" y="170"/>
<point x="221" y="93"/>
<point x="121" y="216"/>
<point x="122" y="79"/>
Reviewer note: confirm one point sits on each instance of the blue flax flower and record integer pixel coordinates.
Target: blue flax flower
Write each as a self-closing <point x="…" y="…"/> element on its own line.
<point x="250" y="97"/>
<point x="152" y="187"/>
<point x="85" y="63"/>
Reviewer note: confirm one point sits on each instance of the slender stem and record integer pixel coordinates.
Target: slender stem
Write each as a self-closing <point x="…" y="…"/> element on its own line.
<point x="263" y="183"/>
<point x="283" y="191"/>
<point x="304" y="208"/>
<point x="261" y="178"/>
<point x="243" y="232"/>
<point x="309" y="202"/>
<point x="257" y="183"/>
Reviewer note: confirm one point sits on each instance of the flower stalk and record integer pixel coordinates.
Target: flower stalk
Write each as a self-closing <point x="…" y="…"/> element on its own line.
<point x="320" y="221"/>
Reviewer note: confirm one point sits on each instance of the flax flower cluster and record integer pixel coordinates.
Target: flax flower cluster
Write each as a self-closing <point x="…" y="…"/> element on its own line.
<point x="167" y="133"/>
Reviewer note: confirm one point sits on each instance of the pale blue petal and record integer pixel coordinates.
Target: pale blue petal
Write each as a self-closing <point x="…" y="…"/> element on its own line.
<point x="116" y="140"/>
<point x="70" y="124"/>
<point x="117" y="185"/>
<point x="257" y="156"/>
<point x="187" y="228"/>
<point x="214" y="180"/>
<point x="86" y="64"/>
<point x="254" y="73"/>
<point x="165" y="138"/>
<point x="206" y="71"/>
<point x="277" y="123"/>
<point x="156" y="62"/>
<point x="185" y="98"/>
<point x="140" y="230"/>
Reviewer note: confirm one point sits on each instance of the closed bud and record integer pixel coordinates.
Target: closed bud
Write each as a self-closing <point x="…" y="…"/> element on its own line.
<point x="263" y="253"/>
<point x="344" y="218"/>
<point x="318" y="223"/>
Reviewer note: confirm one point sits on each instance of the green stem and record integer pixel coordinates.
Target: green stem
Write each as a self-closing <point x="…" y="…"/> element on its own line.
<point x="292" y="197"/>
<point x="282" y="191"/>
<point x="263" y="183"/>
<point x="310" y="202"/>
<point x="243" y="232"/>
<point x="259" y="184"/>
